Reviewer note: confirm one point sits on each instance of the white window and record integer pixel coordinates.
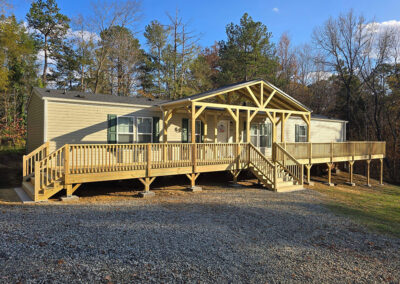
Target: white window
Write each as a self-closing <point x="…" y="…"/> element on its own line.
<point x="197" y="131"/>
<point x="261" y="134"/>
<point x="125" y="129"/>
<point x="301" y="133"/>
<point x="144" y="129"/>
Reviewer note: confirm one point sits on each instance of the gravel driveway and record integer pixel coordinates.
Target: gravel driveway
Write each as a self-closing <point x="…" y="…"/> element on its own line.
<point x="221" y="236"/>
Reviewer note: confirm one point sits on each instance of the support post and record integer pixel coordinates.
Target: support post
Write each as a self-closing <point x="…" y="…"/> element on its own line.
<point x="192" y="177"/>
<point x="329" y="183"/>
<point x="351" y="168"/>
<point x="146" y="182"/>
<point x="248" y="127"/>
<point x="215" y="129"/>
<point x="368" y="173"/>
<point x="283" y="120"/>
<point x="308" y="181"/>
<point x="235" y="174"/>
<point x="381" y="172"/>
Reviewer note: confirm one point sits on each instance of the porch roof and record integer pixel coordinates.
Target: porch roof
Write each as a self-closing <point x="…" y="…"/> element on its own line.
<point x="273" y="97"/>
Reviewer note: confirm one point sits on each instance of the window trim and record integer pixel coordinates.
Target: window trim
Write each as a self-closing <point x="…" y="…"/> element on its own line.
<point x="137" y="129"/>
<point x="258" y="134"/>
<point x="133" y="130"/>
<point x="302" y="138"/>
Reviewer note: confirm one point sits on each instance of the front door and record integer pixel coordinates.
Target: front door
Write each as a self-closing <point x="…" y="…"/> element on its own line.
<point x="223" y="131"/>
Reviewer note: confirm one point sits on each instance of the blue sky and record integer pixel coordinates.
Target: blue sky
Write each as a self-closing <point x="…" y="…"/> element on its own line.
<point x="209" y="18"/>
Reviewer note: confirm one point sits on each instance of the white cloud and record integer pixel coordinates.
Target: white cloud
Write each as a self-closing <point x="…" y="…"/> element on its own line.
<point x="276" y="10"/>
<point x="86" y="35"/>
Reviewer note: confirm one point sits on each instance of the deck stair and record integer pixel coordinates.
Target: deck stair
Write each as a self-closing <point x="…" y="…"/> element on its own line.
<point x="274" y="175"/>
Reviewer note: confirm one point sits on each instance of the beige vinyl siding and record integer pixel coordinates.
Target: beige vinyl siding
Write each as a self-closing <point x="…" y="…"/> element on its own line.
<point x="35" y="123"/>
<point x="321" y="130"/>
<point x="72" y="123"/>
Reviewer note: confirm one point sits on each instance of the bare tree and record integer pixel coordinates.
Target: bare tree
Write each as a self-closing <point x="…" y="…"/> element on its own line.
<point x="344" y="42"/>
<point x="107" y="15"/>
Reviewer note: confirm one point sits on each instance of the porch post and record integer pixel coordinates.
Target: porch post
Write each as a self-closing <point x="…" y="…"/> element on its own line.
<point x="215" y="128"/>
<point x="248" y="127"/>
<point x="193" y="133"/>
<point x="283" y="120"/>
<point x="274" y="127"/>
<point x="237" y="134"/>
<point x="205" y="128"/>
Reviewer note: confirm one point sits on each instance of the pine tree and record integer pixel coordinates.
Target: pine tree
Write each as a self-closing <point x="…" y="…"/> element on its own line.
<point x="50" y="28"/>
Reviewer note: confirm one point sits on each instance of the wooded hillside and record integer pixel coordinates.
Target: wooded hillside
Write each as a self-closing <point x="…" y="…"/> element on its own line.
<point x="349" y="70"/>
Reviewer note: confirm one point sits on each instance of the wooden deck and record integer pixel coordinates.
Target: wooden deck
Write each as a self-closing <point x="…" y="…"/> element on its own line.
<point x="45" y="174"/>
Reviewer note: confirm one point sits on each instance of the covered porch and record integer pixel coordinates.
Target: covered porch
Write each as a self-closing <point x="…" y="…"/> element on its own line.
<point x="254" y="111"/>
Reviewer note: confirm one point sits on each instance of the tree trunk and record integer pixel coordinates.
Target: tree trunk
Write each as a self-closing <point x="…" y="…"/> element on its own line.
<point x="44" y="76"/>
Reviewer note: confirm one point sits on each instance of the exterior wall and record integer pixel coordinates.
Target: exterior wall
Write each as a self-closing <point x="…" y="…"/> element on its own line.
<point x="35" y="123"/>
<point x="321" y="130"/>
<point x="70" y="122"/>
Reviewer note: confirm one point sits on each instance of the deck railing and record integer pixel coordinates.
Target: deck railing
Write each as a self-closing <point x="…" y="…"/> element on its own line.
<point x="288" y="162"/>
<point x="350" y="150"/>
<point x="95" y="158"/>
<point x="29" y="160"/>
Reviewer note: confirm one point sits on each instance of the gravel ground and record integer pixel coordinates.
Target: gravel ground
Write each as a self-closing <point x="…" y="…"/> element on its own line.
<point x="221" y="236"/>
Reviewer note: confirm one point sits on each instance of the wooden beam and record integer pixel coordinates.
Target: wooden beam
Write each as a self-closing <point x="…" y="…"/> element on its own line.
<point x="199" y="111"/>
<point x="351" y="164"/>
<point x="237" y="134"/>
<point x="269" y="98"/>
<point x="248" y="120"/>
<point x="381" y="172"/>
<point x="308" y="167"/>
<point x="253" y="96"/>
<point x="215" y="128"/>
<point x="147" y="182"/>
<point x="283" y="120"/>
<point x="224" y="106"/>
<point x="261" y="94"/>
<point x="192" y="177"/>
<point x="193" y="121"/>
<point x="329" y="173"/>
<point x="234" y="116"/>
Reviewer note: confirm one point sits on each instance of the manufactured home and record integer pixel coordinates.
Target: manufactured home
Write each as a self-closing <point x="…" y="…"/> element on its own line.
<point x="76" y="137"/>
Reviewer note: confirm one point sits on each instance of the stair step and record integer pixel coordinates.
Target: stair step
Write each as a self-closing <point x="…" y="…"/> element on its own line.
<point x="290" y="188"/>
<point x="285" y="183"/>
<point x="29" y="189"/>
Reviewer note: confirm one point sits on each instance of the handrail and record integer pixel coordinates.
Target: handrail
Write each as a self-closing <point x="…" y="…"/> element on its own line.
<point x="49" y="169"/>
<point x="296" y="170"/>
<point x="265" y="166"/>
<point x="29" y="160"/>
